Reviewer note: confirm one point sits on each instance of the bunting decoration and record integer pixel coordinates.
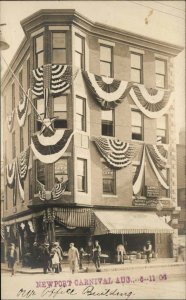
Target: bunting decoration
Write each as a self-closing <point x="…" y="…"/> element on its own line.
<point x="57" y="78"/>
<point x="157" y="172"/>
<point x="117" y="153"/>
<point x="152" y="102"/>
<point x="50" y="149"/>
<point x="139" y="175"/>
<point x="21" y="111"/>
<point x="41" y="190"/>
<point x="10" y="174"/>
<point x="23" y="162"/>
<point x="159" y="155"/>
<point x="59" y="189"/>
<point x="20" y="186"/>
<point x="109" y="92"/>
<point x="10" y="121"/>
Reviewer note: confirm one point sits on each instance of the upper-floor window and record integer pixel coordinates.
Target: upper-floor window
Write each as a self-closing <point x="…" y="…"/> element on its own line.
<point x="109" y="180"/>
<point x="106" y="66"/>
<point x="58" y="48"/>
<point x="13" y="96"/>
<point x="60" y="111"/>
<point x="160" y="69"/>
<point x="21" y="84"/>
<point x="80" y="113"/>
<point x="82" y="175"/>
<point x="28" y="73"/>
<point x="21" y="139"/>
<point x="79" y="51"/>
<point x="107" y="122"/>
<point x="137" y="125"/>
<point x="136" y="67"/>
<point x="13" y="145"/>
<point x="161" y="130"/>
<point x="40" y="106"/>
<point x="39" y="51"/>
<point x="61" y="171"/>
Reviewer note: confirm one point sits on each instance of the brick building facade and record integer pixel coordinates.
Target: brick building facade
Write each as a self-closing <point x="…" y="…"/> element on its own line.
<point x="96" y="190"/>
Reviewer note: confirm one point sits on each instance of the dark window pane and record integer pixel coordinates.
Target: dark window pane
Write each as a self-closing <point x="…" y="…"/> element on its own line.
<point x="108" y="179"/>
<point x="59" y="56"/>
<point x="107" y="128"/>
<point x="60" y="123"/>
<point x="40" y="169"/>
<point x="108" y="186"/>
<point x="137" y="136"/>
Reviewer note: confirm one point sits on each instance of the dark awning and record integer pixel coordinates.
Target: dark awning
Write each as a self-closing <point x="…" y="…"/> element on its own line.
<point x="74" y="217"/>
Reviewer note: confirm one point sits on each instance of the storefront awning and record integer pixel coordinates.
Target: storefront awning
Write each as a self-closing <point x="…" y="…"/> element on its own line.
<point x="74" y="217"/>
<point x="23" y="218"/>
<point x="128" y="222"/>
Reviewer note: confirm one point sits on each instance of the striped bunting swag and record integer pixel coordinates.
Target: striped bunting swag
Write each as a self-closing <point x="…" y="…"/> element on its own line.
<point x="152" y="102"/>
<point x="61" y="78"/>
<point x="22" y="163"/>
<point x="41" y="190"/>
<point x="109" y="92"/>
<point x="59" y="189"/>
<point x="21" y="111"/>
<point x="139" y="175"/>
<point x="10" y="172"/>
<point x="10" y="121"/>
<point x="20" y="186"/>
<point x="39" y="82"/>
<point x="50" y="148"/>
<point x="117" y="153"/>
<point x="74" y="217"/>
<point x="159" y="155"/>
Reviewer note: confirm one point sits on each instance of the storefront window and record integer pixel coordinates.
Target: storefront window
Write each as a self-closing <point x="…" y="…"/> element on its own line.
<point x="107" y="122"/>
<point x="109" y="180"/>
<point x="82" y="175"/>
<point x="58" y="48"/>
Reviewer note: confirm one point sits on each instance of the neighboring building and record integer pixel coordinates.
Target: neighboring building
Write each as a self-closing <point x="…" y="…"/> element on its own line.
<point x="2" y="211"/>
<point x="181" y="182"/>
<point x="111" y="178"/>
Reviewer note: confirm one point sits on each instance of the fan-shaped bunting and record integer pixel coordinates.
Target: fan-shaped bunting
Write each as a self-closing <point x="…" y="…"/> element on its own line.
<point x="117" y="153"/>
<point x="159" y="155"/>
<point x="21" y="110"/>
<point x="39" y="82"/>
<point x="10" y="121"/>
<point x="50" y="149"/>
<point x="109" y="92"/>
<point x="22" y="163"/>
<point x="152" y="102"/>
<point x="10" y="172"/>
<point x="59" y="189"/>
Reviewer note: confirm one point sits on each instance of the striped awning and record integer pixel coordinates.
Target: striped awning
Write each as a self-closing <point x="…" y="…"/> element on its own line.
<point x="24" y="218"/>
<point x="74" y="217"/>
<point x="128" y="222"/>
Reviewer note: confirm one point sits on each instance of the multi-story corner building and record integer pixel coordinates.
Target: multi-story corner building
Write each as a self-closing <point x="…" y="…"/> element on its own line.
<point x="92" y="153"/>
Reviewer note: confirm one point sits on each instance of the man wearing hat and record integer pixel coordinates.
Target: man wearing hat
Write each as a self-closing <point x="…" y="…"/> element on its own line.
<point x="46" y="258"/>
<point x="12" y="257"/>
<point x="96" y="256"/>
<point x="73" y="256"/>
<point x="148" y="250"/>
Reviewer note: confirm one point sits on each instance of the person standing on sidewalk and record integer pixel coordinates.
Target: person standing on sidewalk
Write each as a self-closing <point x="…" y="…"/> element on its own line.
<point x="12" y="257"/>
<point x="73" y="256"/>
<point x="148" y="250"/>
<point x="120" y="253"/>
<point x="96" y="256"/>
<point x="46" y="258"/>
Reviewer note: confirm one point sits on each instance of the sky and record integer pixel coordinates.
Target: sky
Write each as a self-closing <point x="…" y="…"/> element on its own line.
<point x="166" y="22"/>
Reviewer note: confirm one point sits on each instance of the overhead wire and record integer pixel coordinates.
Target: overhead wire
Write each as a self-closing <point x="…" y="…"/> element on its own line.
<point x="162" y="3"/>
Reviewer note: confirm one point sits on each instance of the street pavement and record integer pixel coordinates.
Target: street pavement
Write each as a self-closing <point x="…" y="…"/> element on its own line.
<point x="154" y="282"/>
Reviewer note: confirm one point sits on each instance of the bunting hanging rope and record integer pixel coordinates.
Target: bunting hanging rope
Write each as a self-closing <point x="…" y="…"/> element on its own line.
<point x="157" y="172"/>
<point x="23" y="162"/>
<point x="49" y="149"/>
<point x="117" y="153"/>
<point x="109" y="92"/>
<point x="10" y="121"/>
<point x="10" y="171"/>
<point x="159" y="155"/>
<point x="152" y="102"/>
<point x="59" y="189"/>
<point x="139" y="175"/>
<point x="21" y="111"/>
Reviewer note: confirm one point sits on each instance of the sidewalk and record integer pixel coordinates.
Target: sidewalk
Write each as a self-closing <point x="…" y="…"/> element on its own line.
<point x="135" y="264"/>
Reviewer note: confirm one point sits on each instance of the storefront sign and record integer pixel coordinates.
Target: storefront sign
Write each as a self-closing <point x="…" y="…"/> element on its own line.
<point x="145" y="202"/>
<point x="152" y="191"/>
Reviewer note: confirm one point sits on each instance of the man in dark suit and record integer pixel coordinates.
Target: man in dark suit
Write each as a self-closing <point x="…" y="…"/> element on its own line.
<point x="12" y="257"/>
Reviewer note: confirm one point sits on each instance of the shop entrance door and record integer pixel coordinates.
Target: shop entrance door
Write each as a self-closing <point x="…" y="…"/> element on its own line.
<point x="163" y="245"/>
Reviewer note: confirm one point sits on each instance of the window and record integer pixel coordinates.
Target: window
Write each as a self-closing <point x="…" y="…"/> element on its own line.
<point x="40" y="106"/>
<point x="82" y="175"/>
<point x="29" y="129"/>
<point x="106" y="61"/>
<point x="161" y="131"/>
<point x="137" y="125"/>
<point x="107" y="122"/>
<point x="13" y="145"/>
<point x="60" y="111"/>
<point x="58" y="48"/>
<point x="13" y="96"/>
<point x="28" y="73"/>
<point x="79" y="51"/>
<point x="109" y="180"/>
<point x="21" y="139"/>
<point x="39" y="51"/>
<point x="80" y="114"/>
<point x="61" y="171"/>
<point x="30" y="183"/>
<point x="136" y="67"/>
<point x="162" y="191"/>
<point x="21" y="85"/>
<point x="160" y="69"/>
<point x="40" y="171"/>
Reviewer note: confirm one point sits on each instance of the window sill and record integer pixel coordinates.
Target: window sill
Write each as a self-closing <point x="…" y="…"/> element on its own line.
<point x="109" y="196"/>
<point x="138" y="141"/>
